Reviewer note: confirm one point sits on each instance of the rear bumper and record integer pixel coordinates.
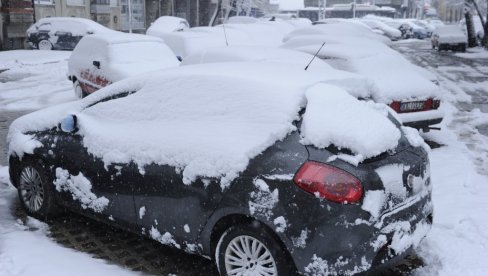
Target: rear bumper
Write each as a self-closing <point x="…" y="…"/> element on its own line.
<point x="347" y="248"/>
<point x="422" y="119"/>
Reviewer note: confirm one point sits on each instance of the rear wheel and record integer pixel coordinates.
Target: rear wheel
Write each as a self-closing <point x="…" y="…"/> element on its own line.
<point x="36" y="190"/>
<point x="249" y="250"/>
<point x="44" y="45"/>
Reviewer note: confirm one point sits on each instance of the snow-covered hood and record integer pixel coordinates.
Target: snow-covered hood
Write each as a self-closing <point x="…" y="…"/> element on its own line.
<point x="237" y="110"/>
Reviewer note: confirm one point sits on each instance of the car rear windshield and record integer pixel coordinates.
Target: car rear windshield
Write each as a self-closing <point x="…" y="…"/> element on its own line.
<point x="139" y="51"/>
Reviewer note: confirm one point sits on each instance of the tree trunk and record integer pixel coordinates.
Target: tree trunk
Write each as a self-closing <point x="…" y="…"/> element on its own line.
<point x="470" y="28"/>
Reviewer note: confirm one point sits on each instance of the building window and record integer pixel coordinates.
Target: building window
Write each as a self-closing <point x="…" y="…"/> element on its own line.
<point x="44" y="2"/>
<point x="138" y="15"/>
<point x="75" y="2"/>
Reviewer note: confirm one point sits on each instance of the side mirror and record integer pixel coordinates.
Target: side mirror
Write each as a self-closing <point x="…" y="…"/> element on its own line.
<point x="179" y="58"/>
<point x="96" y="63"/>
<point x="69" y="124"/>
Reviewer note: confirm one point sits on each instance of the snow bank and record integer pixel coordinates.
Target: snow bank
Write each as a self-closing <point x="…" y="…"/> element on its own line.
<point x="26" y="250"/>
<point x="324" y="123"/>
<point x="34" y="79"/>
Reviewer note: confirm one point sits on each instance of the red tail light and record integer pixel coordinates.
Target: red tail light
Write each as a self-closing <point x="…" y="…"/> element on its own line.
<point x="329" y="182"/>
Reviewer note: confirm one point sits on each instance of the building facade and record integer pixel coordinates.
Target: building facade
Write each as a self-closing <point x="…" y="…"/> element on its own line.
<point x="15" y="17"/>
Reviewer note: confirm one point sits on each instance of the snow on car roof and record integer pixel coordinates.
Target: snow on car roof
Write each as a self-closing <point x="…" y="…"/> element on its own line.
<point x="120" y="37"/>
<point x="339" y="28"/>
<point x="206" y="120"/>
<point x="356" y="85"/>
<point x="90" y="24"/>
<point x="167" y="24"/>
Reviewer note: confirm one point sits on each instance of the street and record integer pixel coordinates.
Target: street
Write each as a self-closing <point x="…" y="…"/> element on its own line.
<point x="464" y="82"/>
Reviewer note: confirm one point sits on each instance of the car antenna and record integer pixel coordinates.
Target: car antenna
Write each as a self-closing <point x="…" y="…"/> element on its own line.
<point x="315" y="56"/>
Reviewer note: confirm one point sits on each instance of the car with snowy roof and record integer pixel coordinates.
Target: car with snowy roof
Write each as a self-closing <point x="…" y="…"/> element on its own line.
<point x="167" y="24"/>
<point x="416" y="101"/>
<point x="61" y="33"/>
<point x="261" y="167"/>
<point x="99" y="60"/>
<point x="449" y="37"/>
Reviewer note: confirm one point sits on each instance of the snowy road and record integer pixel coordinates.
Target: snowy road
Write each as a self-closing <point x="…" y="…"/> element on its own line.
<point x="457" y="244"/>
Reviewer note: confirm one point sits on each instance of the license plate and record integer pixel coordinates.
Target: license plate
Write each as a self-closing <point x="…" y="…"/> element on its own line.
<point x="411" y="106"/>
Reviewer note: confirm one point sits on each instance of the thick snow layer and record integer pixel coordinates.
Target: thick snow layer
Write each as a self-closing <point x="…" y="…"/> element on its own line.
<point x="374" y="60"/>
<point x="355" y="84"/>
<point x="257" y="104"/>
<point x="121" y="55"/>
<point x="75" y="25"/>
<point x="26" y="250"/>
<point x="34" y="79"/>
<point x="337" y="30"/>
<point x="167" y="24"/>
<point x="323" y="126"/>
<point x="450" y="34"/>
<point x="262" y="33"/>
<point x="80" y="188"/>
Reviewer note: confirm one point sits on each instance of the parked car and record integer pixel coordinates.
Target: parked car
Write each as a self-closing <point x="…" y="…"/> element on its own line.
<point x="167" y="24"/>
<point x="449" y="37"/>
<point x="61" y="33"/>
<point x="390" y="32"/>
<point x="99" y="60"/>
<point x="241" y="162"/>
<point x="409" y="92"/>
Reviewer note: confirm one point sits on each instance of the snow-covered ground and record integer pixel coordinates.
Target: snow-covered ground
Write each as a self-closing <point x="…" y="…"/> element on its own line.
<point x="457" y="243"/>
<point x="34" y="79"/>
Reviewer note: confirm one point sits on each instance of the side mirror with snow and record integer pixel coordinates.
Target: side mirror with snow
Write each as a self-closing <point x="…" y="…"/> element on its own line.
<point x="96" y="63"/>
<point x="69" y="124"/>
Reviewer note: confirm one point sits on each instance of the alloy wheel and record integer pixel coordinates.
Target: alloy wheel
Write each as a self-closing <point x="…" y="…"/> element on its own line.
<point x="246" y="255"/>
<point x="31" y="189"/>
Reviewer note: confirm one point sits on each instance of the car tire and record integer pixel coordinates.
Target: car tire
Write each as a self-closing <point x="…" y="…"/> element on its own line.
<point x="36" y="190"/>
<point x="230" y="254"/>
<point x="44" y="45"/>
<point x="79" y="93"/>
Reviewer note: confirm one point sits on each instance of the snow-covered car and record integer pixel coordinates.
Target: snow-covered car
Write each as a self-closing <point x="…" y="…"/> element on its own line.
<point x="407" y="90"/>
<point x="354" y="84"/>
<point x="258" y="166"/>
<point x="167" y="24"/>
<point x="449" y="37"/>
<point x="99" y="60"/>
<point x="390" y="32"/>
<point x="61" y="33"/>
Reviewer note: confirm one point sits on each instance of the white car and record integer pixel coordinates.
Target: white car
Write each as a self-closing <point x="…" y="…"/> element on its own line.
<point x="449" y="37"/>
<point x="61" y="33"/>
<point x="390" y="32"/>
<point x="354" y="84"/>
<point x="99" y="60"/>
<point x="407" y="91"/>
<point x="167" y="24"/>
